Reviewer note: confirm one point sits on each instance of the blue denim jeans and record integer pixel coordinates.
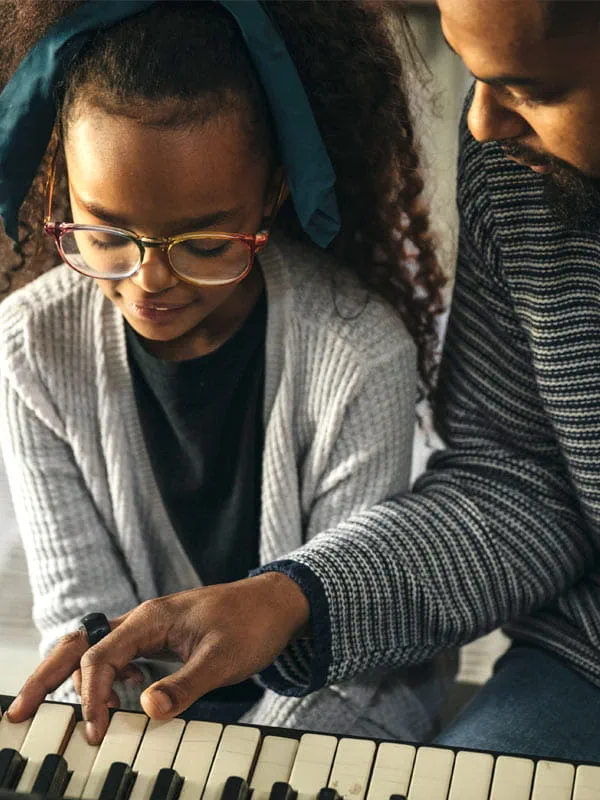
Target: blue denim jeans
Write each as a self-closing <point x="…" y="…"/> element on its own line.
<point x="534" y="704"/>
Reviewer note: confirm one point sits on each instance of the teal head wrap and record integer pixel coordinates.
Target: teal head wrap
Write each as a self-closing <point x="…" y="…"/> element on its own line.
<point x="28" y="110"/>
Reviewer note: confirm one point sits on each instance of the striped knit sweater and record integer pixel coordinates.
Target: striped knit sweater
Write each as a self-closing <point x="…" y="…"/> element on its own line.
<point x="339" y="411"/>
<point x="504" y="527"/>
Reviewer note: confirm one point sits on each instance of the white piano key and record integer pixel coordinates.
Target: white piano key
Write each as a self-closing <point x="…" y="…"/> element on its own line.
<point x="120" y="743"/>
<point x="12" y="734"/>
<point x="157" y="750"/>
<point x="312" y="764"/>
<point x="234" y="757"/>
<point x="392" y="770"/>
<point x="80" y="757"/>
<point x="352" y="767"/>
<point x="49" y="732"/>
<point x="553" y="781"/>
<point x="431" y="774"/>
<point x="195" y="757"/>
<point x="275" y="762"/>
<point x="587" y="783"/>
<point x="512" y="778"/>
<point x="472" y="776"/>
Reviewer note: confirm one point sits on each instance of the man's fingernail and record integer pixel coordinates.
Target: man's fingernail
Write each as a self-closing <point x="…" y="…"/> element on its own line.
<point x="14" y="706"/>
<point x="162" y="701"/>
<point x="91" y="733"/>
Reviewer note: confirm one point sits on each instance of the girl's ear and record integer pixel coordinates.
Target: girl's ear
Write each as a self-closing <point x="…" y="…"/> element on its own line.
<point x="277" y="194"/>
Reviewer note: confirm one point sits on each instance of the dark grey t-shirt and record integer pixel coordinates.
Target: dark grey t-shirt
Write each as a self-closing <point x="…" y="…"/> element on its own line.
<point x="203" y="429"/>
<point x="202" y="422"/>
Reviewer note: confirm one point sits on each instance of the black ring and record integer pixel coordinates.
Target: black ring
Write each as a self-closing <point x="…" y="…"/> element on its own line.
<point x="96" y="627"/>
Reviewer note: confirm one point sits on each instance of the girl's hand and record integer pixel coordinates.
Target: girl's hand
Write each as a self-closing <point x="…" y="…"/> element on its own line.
<point x="222" y="634"/>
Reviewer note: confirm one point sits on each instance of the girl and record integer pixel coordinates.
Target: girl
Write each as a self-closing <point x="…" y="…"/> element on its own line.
<point x="224" y="365"/>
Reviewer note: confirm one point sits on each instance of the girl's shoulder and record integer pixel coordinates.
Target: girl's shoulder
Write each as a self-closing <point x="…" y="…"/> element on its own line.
<point x="44" y="316"/>
<point x="322" y="296"/>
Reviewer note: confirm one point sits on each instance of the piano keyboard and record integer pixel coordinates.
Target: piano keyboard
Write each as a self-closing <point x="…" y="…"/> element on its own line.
<point x="142" y="759"/>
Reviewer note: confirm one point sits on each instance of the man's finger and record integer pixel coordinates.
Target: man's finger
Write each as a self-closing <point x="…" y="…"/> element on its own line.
<point x="96" y="691"/>
<point x="102" y="664"/>
<point x="131" y="675"/>
<point x="76" y="678"/>
<point x="210" y="666"/>
<point x="49" y="675"/>
<point x="113" y="700"/>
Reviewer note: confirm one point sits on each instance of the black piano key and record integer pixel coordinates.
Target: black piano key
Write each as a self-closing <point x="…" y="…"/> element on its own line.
<point x="328" y="794"/>
<point x="167" y="785"/>
<point x="235" y="789"/>
<point x="52" y="777"/>
<point x="397" y="797"/>
<point x="12" y="765"/>
<point x="282" y="791"/>
<point x="118" y="783"/>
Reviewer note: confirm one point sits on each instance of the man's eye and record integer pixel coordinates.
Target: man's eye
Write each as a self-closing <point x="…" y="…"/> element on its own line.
<point x="531" y="100"/>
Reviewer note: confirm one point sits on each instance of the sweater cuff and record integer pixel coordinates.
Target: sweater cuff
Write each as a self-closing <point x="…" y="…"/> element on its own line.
<point x="303" y="666"/>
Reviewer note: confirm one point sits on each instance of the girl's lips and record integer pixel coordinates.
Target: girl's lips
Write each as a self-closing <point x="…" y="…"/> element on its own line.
<point x="156" y="312"/>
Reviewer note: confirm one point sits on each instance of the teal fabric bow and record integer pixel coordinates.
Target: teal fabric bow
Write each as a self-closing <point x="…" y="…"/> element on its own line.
<point x="28" y="110"/>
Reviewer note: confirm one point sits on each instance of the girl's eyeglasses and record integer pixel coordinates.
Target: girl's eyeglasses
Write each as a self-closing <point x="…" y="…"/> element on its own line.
<point x="201" y="259"/>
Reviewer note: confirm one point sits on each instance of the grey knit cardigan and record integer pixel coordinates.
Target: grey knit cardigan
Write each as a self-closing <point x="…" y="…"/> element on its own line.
<point x="338" y="413"/>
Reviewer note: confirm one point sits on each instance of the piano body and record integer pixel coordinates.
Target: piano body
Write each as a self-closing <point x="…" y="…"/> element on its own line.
<point x="142" y="759"/>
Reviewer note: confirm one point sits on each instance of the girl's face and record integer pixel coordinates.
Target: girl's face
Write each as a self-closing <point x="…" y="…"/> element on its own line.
<point x="158" y="182"/>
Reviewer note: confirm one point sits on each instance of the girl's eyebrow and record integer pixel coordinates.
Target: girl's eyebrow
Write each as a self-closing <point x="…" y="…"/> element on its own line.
<point x="181" y="225"/>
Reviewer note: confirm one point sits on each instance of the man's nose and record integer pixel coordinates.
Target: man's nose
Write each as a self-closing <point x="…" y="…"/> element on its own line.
<point x="489" y="119"/>
<point x="154" y="275"/>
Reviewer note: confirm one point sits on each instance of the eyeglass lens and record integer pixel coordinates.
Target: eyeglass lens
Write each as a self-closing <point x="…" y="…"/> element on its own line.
<point x="111" y="255"/>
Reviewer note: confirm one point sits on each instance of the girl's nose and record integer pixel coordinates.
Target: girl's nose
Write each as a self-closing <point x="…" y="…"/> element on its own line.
<point x="154" y="275"/>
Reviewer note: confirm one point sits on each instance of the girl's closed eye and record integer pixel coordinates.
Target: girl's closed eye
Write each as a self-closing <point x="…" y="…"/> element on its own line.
<point x="108" y="243"/>
<point x="206" y="248"/>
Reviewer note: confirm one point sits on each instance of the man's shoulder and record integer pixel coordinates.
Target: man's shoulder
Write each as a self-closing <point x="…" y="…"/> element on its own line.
<point x="486" y="176"/>
<point x="504" y="207"/>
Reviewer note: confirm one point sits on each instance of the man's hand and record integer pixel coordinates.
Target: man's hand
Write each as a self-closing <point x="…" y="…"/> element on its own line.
<point x="222" y="634"/>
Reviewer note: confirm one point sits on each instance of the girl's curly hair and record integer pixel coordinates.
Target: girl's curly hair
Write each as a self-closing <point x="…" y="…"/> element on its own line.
<point x="347" y="55"/>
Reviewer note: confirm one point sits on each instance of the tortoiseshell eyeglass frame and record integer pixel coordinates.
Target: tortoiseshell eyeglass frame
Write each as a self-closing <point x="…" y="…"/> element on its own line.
<point x="254" y="242"/>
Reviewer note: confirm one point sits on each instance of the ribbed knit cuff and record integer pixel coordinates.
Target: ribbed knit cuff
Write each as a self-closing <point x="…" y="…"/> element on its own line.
<point x="291" y="675"/>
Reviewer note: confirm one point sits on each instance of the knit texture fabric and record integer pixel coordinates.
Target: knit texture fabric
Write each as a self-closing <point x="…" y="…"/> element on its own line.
<point x="339" y="414"/>
<point x="504" y="527"/>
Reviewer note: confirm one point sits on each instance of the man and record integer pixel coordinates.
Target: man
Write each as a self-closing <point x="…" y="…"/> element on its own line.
<point x="505" y="525"/>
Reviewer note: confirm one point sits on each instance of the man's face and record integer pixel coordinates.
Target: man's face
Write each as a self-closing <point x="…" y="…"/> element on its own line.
<point x="537" y="88"/>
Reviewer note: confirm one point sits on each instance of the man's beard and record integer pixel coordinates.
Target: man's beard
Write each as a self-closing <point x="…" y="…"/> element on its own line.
<point x="572" y="196"/>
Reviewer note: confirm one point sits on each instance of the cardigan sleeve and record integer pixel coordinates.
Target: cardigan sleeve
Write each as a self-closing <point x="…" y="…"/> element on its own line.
<point x="371" y="457"/>
<point x="73" y="561"/>
<point x="493" y="531"/>
<point x="370" y="461"/>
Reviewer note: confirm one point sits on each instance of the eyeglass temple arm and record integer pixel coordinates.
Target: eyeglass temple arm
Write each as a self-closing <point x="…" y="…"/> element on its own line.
<point x="50" y="182"/>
